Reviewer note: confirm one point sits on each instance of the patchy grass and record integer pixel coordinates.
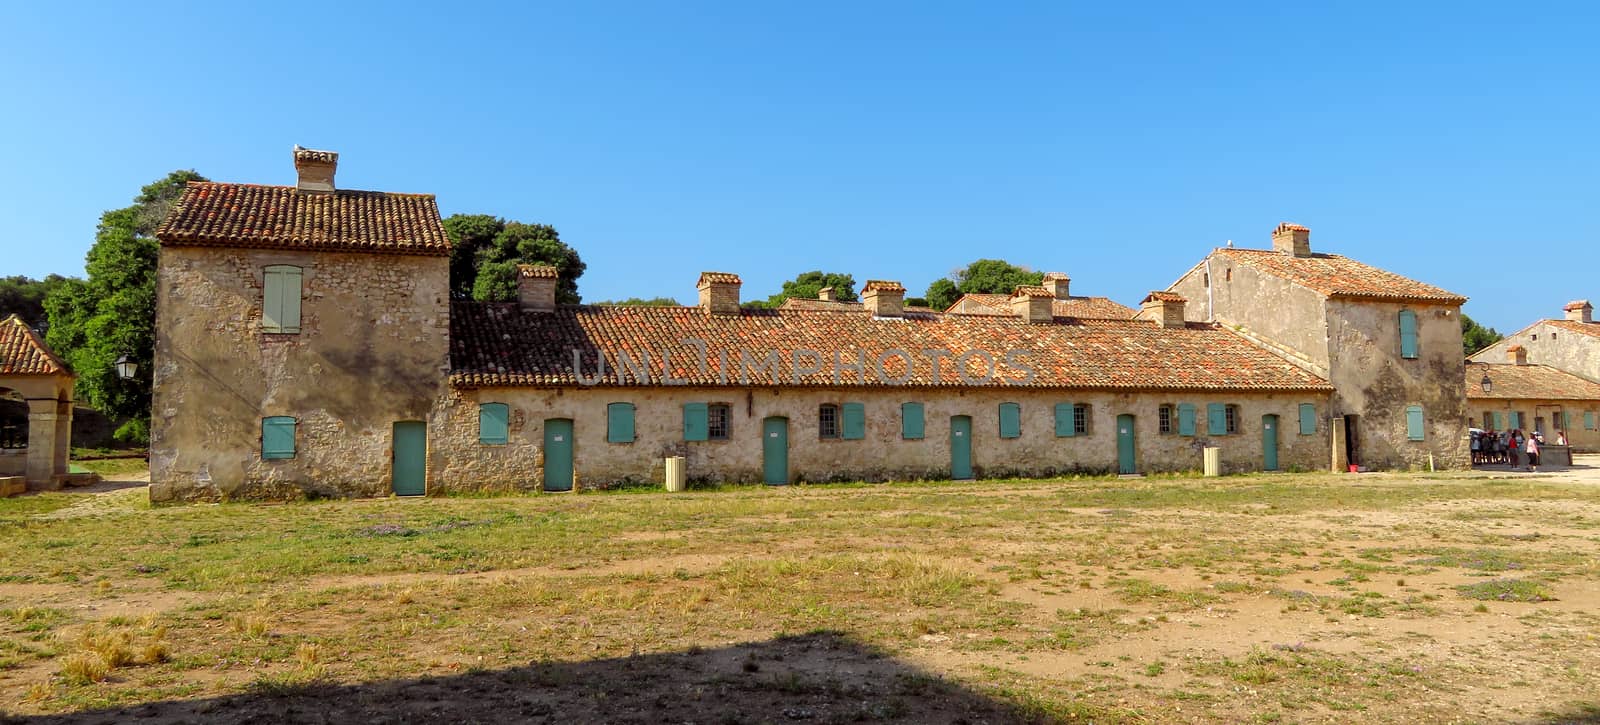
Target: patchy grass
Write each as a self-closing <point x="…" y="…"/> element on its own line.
<point x="1507" y="590"/>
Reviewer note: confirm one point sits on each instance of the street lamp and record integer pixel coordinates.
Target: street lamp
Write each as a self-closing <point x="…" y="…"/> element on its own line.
<point x="126" y="368"/>
<point x="1488" y="385"/>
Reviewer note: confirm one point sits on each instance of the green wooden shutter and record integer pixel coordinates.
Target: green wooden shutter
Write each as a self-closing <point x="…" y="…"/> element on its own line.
<point x="1408" y="334"/>
<point x="1010" y="420"/>
<point x="1186" y="419"/>
<point x="280" y="299"/>
<point x="494" y="421"/>
<point x="696" y="427"/>
<point x="1216" y="419"/>
<point x="855" y="421"/>
<point x="911" y="421"/>
<point x="277" y="437"/>
<point x="1414" y="422"/>
<point x="1064" y="427"/>
<point x="1516" y="419"/>
<point x="1499" y="422"/>
<point x="1308" y="419"/>
<point x="619" y="423"/>
<point x="1588" y="420"/>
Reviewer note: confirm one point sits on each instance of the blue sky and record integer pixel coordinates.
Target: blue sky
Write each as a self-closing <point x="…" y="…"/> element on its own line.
<point x="1117" y="142"/>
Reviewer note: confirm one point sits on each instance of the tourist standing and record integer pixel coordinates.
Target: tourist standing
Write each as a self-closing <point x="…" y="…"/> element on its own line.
<point x="1533" y="453"/>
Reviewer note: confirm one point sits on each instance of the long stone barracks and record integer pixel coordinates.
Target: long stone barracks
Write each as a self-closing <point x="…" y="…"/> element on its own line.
<point x="307" y="345"/>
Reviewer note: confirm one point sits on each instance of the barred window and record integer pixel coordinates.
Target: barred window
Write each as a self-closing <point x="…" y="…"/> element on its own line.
<point x="1080" y="419"/>
<point x="1232" y="412"/>
<point x="717" y="421"/>
<point x="1164" y="419"/>
<point x="828" y="421"/>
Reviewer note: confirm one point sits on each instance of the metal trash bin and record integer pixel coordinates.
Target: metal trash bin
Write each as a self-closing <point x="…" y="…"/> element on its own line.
<point x="1213" y="461"/>
<point x="675" y="476"/>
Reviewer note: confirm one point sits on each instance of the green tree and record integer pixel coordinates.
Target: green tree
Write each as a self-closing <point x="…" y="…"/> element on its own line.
<point x="486" y="251"/>
<point x="808" y="285"/>
<point x="991" y="276"/>
<point x="24" y="297"/>
<point x="642" y="302"/>
<point x="94" y="321"/>
<point x="1475" y="337"/>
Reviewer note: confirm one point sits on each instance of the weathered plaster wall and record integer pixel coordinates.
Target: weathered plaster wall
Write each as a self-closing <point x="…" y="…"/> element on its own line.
<point x="373" y="349"/>
<point x="1373" y="381"/>
<point x="1550" y="345"/>
<point x="1286" y="317"/>
<point x="458" y="462"/>
<point x="49" y="419"/>
<point x="1581" y="439"/>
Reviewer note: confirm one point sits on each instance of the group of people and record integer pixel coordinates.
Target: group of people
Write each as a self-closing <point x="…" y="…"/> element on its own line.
<point x="1511" y="447"/>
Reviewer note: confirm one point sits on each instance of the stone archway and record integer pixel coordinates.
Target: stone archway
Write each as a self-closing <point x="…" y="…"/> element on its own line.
<point x="28" y="368"/>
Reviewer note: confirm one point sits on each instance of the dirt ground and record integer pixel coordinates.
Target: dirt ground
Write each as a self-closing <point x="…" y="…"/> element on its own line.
<point x="1382" y="597"/>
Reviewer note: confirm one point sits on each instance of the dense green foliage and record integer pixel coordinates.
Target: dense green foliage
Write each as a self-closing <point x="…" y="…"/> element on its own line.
<point x="807" y="286"/>
<point x="991" y="276"/>
<point x="1475" y="337"/>
<point x="24" y="297"/>
<point x="112" y="313"/>
<point x="642" y="302"/>
<point x="486" y="251"/>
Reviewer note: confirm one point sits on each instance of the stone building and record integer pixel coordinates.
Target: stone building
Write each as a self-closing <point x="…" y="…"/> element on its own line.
<point x="306" y="345"/>
<point x="1570" y="343"/>
<point x="1517" y="394"/>
<point x="1389" y="345"/>
<point x="31" y="372"/>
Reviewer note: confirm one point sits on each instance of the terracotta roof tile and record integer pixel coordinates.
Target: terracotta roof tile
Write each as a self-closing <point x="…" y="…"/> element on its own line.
<point x="211" y="214"/>
<point x="538" y="270"/>
<point x="1591" y="329"/>
<point x="497" y="344"/>
<point x="1056" y="275"/>
<point x="1028" y="290"/>
<point x="718" y="278"/>
<point x="1527" y="382"/>
<point x="1577" y="305"/>
<point x="1163" y="296"/>
<point x="1083" y="308"/>
<point x="1336" y="276"/>
<point x="882" y="285"/>
<point x="811" y="305"/>
<point x="23" y="353"/>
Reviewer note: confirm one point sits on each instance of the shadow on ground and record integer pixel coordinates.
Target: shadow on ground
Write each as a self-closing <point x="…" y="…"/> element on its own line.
<point x="822" y="677"/>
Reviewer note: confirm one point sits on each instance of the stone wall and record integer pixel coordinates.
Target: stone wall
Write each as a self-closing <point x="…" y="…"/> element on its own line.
<point x="1582" y="440"/>
<point x="1284" y="316"/>
<point x="458" y="462"/>
<point x="1547" y="344"/>
<point x="373" y="349"/>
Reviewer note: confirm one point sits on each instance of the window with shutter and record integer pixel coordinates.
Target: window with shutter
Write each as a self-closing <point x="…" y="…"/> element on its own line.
<point x="277" y="437"/>
<point x="1408" y="334"/>
<point x="827" y="421"/>
<point x="1010" y="420"/>
<point x="1414" y="422"/>
<point x="1216" y="419"/>
<point x="1164" y="419"/>
<point x="911" y="421"/>
<point x="855" y="421"/>
<point x="1186" y="419"/>
<point x="619" y="423"/>
<point x="280" y="299"/>
<point x="1064" y="415"/>
<point x="1588" y="420"/>
<point x="1081" y="417"/>
<point x="694" y="422"/>
<point x="1231" y="414"/>
<point x="494" y="424"/>
<point x="718" y="419"/>
<point x="1308" y="419"/>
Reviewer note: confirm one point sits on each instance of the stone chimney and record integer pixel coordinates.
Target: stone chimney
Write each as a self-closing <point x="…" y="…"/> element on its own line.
<point x="1579" y="311"/>
<point x="826" y="294"/>
<point x="884" y="298"/>
<point x="536" y="287"/>
<point x="1035" y="305"/>
<point x="315" y="169"/>
<point x="1292" y="239"/>
<point x="1517" y="355"/>
<point x="1057" y="283"/>
<point x="1163" y="308"/>
<point x="719" y="292"/>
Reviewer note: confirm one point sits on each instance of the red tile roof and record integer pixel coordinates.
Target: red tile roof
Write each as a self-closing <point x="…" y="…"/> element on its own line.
<point x="1163" y="296"/>
<point x="497" y="344"/>
<point x="806" y="303"/>
<point x="1083" y="308"/>
<point x="1029" y="290"/>
<point x="23" y="353"/>
<point x="538" y="271"/>
<point x="718" y="278"/>
<point x="1527" y="382"/>
<point x="212" y="214"/>
<point x="1576" y="305"/>
<point x="882" y="285"/>
<point x="1591" y="329"/>
<point x="1336" y="276"/>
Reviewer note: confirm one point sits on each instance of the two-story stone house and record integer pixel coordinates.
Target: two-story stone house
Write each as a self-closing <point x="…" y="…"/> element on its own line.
<point x="1544" y="377"/>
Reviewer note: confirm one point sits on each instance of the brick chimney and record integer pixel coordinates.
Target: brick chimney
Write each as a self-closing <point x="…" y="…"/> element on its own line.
<point x="719" y="292"/>
<point x="315" y="169"/>
<point x="1057" y="283"/>
<point x="884" y="298"/>
<point x="536" y="287"/>
<point x="1033" y="304"/>
<point x="825" y="294"/>
<point x="1579" y="311"/>
<point x="1292" y="239"/>
<point x="1163" y="308"/>
<point x="1517" y="355"/>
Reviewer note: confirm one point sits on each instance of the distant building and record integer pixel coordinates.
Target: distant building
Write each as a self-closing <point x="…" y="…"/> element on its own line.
<point x="1544" y="377"/>
<point x="31" y="372"/>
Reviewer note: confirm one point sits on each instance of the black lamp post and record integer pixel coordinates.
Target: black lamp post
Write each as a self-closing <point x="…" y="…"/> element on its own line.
<point x="126" y="368"/>
<point x="1488" y="385"/>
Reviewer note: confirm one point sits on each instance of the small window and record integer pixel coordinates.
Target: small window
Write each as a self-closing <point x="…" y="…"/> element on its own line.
<point x="1516" y="420"/>
<point x="494" y="423"/>
<point x="1414" y="422"/>
<point x="1588" y="420"/>
<point x="1488" y="419"/>
<point x="1232" y="413"/>
<point x="1080" y="419"/>
<point x="1010" y="420"/>
<point x="1408" y="334"/>
<point x="911" y="421"/>
<point x="717" y="421"/>
<point x="1227" y="275"/>
<point x="1205" y="280"/>
<point x="1308" y="419"/>
<point x="1534" y="336"/>
<point x="277" y="437"/>
<point x="1164" y="420"/>
<point x="280" y="299"/>
<point x="1186" y="419"/>
<point x="853" y="421"/>
<point x="619" y="423"/>
<point x="828" y="421"/>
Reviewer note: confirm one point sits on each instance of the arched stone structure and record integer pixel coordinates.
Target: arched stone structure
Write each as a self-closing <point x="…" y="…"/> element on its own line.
<point x="30" y="369"/>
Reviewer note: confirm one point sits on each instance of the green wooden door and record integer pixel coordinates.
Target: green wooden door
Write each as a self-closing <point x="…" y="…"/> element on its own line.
<point x="558" y="454"/>
<point x="1269" y="442"/>
<point x="960" y="447"/>
<point x="1125" y="459"/>
<point x="410" y="458"/>
<point x="775" y="450"/>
